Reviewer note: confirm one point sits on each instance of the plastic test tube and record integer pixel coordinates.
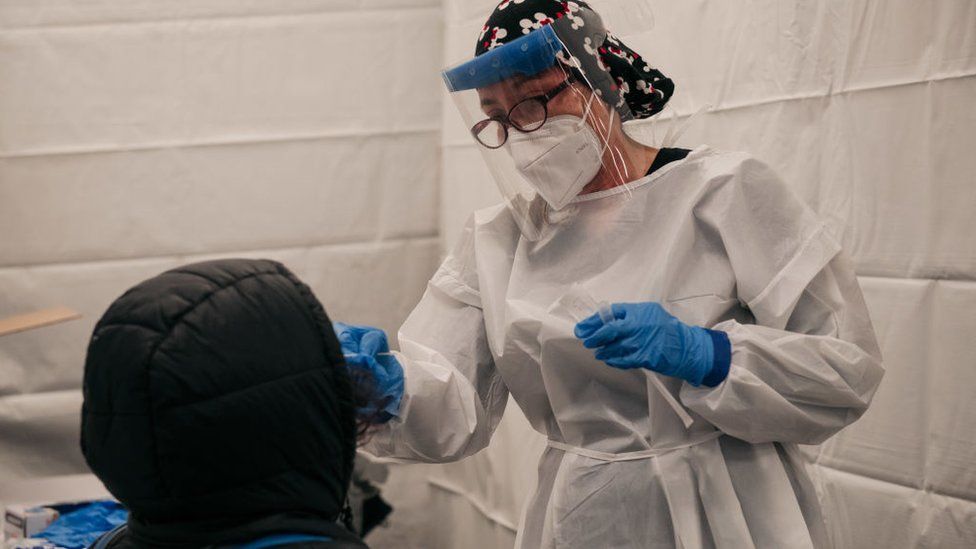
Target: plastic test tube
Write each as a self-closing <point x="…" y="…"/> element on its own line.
<point x="605" y="310"/>
<point x="581" y="304"/>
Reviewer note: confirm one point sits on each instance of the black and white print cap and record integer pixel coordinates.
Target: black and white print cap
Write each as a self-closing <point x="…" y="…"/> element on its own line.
<point x="634" y="88"/>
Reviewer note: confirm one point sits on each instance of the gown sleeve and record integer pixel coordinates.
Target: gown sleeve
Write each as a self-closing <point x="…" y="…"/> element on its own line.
<point x="453" y="397"/>
<point x="810" y="364"/>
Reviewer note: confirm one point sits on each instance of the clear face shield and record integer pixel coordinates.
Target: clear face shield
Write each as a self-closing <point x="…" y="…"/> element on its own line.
<point x="547" y="118"/>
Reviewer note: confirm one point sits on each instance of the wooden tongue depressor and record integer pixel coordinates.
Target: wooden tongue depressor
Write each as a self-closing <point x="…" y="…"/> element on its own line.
<point x="37" y="319"/>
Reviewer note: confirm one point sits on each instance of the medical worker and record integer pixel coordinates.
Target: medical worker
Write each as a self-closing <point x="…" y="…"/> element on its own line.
<point x="734" y="331"/>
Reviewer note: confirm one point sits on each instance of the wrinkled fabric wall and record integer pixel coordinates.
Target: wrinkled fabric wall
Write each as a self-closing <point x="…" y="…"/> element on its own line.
<point x="867" y="109"/>
<point x="138" y="136"/>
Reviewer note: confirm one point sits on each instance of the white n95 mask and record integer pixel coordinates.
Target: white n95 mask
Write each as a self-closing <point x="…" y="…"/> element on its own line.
<point x="558" y="159"/>
<point x="540" y="174"/>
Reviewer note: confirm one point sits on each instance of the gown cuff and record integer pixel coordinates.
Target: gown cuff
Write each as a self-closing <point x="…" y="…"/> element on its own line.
<point x="722" y="358"/>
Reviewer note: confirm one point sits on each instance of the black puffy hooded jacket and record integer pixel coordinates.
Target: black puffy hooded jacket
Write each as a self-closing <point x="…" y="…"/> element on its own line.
<point x="218" y="409"/>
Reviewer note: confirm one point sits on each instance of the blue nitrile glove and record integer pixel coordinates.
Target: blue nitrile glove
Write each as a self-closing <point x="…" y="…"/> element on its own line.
<point x="366" y="349"/>
<point x="644" y="335"/>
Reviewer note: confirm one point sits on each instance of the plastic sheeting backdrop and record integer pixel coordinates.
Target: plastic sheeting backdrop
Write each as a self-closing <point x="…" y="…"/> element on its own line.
<point x="137" y="136"/>
<point x="867" y="109"/>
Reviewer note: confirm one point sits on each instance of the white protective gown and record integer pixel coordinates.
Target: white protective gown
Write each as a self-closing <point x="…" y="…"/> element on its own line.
<point x="720" y="242"/>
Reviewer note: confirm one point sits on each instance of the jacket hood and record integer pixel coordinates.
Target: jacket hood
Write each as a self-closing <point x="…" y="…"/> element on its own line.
<point x="216" y="394"/>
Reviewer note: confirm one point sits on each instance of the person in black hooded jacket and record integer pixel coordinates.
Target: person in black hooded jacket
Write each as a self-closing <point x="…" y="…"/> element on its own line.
<point x="218" y="410"/>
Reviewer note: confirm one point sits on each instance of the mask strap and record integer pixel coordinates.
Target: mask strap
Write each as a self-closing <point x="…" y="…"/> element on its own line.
<point x="622" y="173"/>
<point x="589" y="105"/>
<point x="586" y="115"/>
<point x="605" y="138"/>
<point x="614" y="154"/>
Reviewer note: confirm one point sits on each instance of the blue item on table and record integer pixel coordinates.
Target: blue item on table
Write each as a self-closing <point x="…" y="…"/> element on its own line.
<point x="80" y="526"/>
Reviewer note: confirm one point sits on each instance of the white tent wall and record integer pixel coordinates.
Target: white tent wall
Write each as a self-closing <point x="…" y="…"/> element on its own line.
<point x="138" y="136"/>
<point x="867" y="109"/>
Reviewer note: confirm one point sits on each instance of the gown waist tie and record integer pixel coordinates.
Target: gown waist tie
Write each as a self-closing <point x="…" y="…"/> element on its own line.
<point x="636" y="455"/>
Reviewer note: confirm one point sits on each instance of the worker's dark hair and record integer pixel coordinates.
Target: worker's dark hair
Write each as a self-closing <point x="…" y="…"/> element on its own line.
<point x="366" y="397"/>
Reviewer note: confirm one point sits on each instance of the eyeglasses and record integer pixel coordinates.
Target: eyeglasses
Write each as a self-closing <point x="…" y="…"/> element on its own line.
<point x="527" y="116"/>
